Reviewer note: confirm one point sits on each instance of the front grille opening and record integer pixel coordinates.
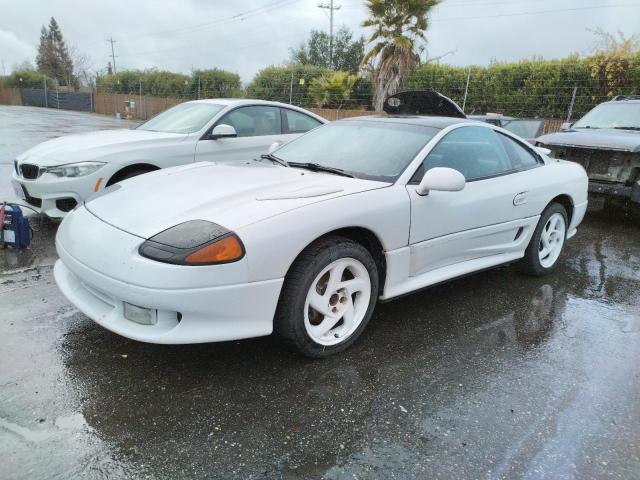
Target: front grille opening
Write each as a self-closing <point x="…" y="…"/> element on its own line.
<point x="66" y="204"/>
<point x="29" y="171"/>
<point x="33" y="201"/>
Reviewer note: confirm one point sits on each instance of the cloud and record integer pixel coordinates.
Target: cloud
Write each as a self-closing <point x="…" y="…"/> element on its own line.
<point x="14" y="51"/>
<point x="246" y="35"/>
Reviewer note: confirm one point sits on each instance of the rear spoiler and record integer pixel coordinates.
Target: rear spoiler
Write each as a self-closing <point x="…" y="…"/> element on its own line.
<point x="422" y="102"/>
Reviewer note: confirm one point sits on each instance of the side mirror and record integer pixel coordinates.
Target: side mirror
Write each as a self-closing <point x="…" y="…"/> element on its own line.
<point x="223" y="131"/>
<point x="566" y="126"/>
<point x="441" y="179"/>
<point x="274" y="146"/>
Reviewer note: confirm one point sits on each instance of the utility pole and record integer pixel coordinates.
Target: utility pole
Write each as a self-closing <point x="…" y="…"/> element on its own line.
<point x="329" y="6"/>
<point x="113" y="55"/>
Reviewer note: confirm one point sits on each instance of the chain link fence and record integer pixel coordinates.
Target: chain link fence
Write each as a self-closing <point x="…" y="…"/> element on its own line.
<point x="556" y="92"/>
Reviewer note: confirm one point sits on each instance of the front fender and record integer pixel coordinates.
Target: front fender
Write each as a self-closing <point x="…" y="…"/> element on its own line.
<point x="273" y="244"/>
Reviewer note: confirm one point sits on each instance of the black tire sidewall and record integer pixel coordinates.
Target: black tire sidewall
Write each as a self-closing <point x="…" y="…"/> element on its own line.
<point x="531" y="260"/>
<point x="289" y="321"/>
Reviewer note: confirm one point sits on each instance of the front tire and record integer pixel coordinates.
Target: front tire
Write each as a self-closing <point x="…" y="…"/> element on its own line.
<point x="327" y="298"/>
<point x="547" y="242"/>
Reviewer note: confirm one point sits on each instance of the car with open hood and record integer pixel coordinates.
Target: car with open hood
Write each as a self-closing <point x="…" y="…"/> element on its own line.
<point x="527" y="128"/>
<point x="606" y="142"/>
<point x="305" y="241"/>
<point x="57" y="175"/>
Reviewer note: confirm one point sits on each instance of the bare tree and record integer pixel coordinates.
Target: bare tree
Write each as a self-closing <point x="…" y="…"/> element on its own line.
<point x="82" y="66"/>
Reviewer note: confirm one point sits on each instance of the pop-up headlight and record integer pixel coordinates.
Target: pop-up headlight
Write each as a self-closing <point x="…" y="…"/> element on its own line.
<point x="196" y="242"/>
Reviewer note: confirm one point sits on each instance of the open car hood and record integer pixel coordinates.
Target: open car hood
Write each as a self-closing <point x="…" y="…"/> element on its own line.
<point x="600" y="139"/>
<point x="422" y="102"/>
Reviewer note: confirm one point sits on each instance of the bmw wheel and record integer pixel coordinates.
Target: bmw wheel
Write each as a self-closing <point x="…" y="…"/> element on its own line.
<point x="328" y="297"/>
<point x="546" y="245"/>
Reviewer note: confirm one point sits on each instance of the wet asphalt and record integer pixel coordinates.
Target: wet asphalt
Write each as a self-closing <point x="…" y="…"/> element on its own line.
<point x="493" y="376"/>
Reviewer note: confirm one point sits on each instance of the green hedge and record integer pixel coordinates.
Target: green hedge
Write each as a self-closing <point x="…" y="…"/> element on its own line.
<point x="25" y="79"/>
<point x="273" y="83"/>
<point x="531" y="88"/>
<point x="213" y="83"/>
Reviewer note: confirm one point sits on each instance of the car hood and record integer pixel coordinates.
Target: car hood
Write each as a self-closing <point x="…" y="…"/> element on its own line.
<point x="231" y="196"/>
<point x="103" y="145"/>
<point x="605" y="139"/>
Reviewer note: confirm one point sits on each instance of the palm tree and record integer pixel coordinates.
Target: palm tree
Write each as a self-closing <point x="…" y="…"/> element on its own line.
<point x="334" y="90"/>
<point x="398" y="25"/>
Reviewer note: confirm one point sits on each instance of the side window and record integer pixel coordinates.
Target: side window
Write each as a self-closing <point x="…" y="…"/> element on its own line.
<point x="296" y="122"/>
<point x="476" y="152"/>
<point x="254" y="121"/>
<point x="521" y="157"/>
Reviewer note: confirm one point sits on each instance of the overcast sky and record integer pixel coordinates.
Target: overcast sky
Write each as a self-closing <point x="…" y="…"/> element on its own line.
<point x="245" y="35"/>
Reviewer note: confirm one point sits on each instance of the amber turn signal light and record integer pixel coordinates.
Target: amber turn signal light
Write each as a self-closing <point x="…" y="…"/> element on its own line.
<point x="227" y="249"/>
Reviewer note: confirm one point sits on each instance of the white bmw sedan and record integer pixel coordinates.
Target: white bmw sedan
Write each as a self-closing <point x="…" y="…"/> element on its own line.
<point x="305" y="241"/>
<point x="56" y="175"/>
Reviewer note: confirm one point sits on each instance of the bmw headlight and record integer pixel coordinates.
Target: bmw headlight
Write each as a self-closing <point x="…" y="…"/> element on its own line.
<point x="72" y="170"/>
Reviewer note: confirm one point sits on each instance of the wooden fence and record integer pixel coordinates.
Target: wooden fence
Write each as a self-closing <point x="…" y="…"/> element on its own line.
<point x="143" y="106"/>
<point x="10" y="96"/>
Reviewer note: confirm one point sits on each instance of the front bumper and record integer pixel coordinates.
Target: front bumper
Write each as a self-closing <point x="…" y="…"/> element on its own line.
<point x="632" y="192"/>
<point x="206" y="315"/>
<point x="100" y="269"/>
<point x="54" y="196"/>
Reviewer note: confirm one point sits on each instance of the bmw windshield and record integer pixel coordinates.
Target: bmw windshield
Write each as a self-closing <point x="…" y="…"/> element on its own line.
<point x="183" y="118"/>
<point x="620" y="115"/>
<point x="365" y="149"/>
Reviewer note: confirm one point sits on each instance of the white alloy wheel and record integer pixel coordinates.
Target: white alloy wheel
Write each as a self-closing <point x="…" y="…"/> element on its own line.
<point x="337" y="301"/>
<point x="551" y="240"/>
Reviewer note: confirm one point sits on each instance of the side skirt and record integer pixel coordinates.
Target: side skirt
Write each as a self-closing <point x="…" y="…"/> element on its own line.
<point x="450" y="272"/>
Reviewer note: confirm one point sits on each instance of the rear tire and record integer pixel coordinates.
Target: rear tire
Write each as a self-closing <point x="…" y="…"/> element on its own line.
<point x="546" y="245"/>
<point x="328" y="297"/>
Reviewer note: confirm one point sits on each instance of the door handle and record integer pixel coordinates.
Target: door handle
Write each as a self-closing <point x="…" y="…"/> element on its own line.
<point x="520" y="198"/>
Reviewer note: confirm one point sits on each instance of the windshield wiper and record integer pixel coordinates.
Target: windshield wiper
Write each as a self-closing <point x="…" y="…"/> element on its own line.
<point x="589" y="126"/>
<point x="274" y="159"/>
<point x="316" y="167"/>
<point x="627" y="128"/>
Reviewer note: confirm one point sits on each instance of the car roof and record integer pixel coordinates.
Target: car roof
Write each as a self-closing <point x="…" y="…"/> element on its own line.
<point x="622" y="100"/>
<point x="490" y="116"/>
<point x="422" y="120"/>
<point x="238" y="102"/>
<point x="242" y="101"/>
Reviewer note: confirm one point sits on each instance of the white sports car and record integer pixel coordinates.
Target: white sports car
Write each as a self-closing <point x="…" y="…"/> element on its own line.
<point x="59" y="174"/>
<point x="305" y="241"/>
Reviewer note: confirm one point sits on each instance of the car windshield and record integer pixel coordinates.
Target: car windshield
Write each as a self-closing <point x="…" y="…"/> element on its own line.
<point x="183" y="118"/>
<point x="525" y="128"/>
<point x="365" y="149"/>
<point x="612" y="115"/>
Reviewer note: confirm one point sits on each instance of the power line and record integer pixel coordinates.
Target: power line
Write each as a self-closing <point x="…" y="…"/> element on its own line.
<point x="538" y="12"/>
<point x="236" y="17"/>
